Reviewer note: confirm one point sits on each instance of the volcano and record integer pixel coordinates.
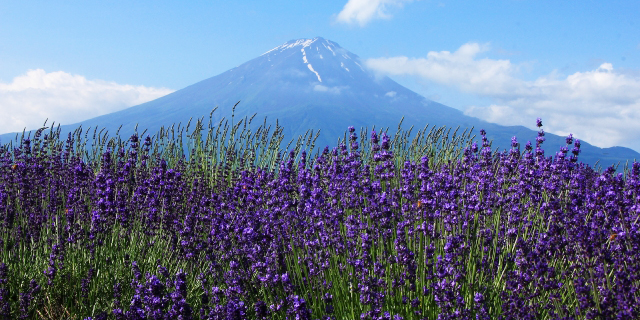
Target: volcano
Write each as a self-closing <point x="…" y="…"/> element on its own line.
<point x="316" y="84"/>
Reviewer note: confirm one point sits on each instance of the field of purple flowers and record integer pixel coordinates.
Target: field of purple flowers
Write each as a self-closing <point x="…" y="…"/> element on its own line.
<point x="437" y="228"/>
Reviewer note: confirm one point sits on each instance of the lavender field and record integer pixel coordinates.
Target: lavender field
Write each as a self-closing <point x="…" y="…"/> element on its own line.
<point x="378" y="227"/>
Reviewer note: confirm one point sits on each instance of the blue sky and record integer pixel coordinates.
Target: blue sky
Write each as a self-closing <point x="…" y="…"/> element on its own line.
<point x="576" y="64"/>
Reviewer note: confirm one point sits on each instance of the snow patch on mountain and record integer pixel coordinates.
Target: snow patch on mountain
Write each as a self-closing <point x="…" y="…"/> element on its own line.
<point x="329" y="47"/>
<point x="311" y="68"/>
<point x="304" y="59"/>
<point x="301" y="42"/>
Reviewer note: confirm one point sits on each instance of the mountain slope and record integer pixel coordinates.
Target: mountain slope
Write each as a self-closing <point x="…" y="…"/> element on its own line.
<point x="316" y="84"/>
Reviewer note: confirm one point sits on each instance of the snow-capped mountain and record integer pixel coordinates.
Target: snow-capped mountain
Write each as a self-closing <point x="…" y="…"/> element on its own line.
<point x="316" y="84"/>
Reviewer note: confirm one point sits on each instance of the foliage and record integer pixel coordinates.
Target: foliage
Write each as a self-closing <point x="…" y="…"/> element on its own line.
<point x="234" y="228"/>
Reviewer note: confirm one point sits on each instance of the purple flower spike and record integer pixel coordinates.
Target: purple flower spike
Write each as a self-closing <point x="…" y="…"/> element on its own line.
<point x="385" y="142"/>
<point x="539" y="122"/>
<point x="514" y="142"/>
<point x="299" y="310"/>
<point x="374" y="137"/>
<point x="570" y="139"/>
<point x="576" y="151"/>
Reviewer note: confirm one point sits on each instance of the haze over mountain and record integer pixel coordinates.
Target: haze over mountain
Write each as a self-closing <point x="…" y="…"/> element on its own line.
<point x="316" y="84"/>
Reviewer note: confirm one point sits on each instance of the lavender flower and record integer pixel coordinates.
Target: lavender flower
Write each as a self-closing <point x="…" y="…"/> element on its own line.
<point x="5" y="307"/>
<point x="357" y="232"/>
<point x="514" y="142"/>
<point x="569" y="139"/>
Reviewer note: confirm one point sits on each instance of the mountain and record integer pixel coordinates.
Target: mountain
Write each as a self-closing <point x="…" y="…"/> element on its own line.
<point x="316" y="84"/>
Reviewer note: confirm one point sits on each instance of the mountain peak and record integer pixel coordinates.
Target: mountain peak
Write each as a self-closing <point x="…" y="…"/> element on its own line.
<point x="303" y="43"/>
<point x="317" y="57"/>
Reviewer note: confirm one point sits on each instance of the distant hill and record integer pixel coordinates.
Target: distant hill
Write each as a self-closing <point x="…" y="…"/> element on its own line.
<point x="316" y="84"/>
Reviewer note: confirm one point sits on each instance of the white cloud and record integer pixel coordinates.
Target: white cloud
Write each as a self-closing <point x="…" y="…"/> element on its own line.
<point x="333" y="90"/>
<point x="390" y="94"/>
<point x="64" y="98"/>
<point x="363" y="11"/>
<point x="600" y="106"/>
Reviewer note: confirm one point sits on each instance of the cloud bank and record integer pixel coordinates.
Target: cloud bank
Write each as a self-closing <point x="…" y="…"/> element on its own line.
<point x="64" y="98"/>
<point x="332" y="90"/>
<point x="363" y="11"/>
<point x="600" y="106"/>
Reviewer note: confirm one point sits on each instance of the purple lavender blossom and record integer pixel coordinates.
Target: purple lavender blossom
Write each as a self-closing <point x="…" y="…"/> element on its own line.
<point x="569" y="139"/>
<point x="5" y="307"/>
<point x="358" y="232"/>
